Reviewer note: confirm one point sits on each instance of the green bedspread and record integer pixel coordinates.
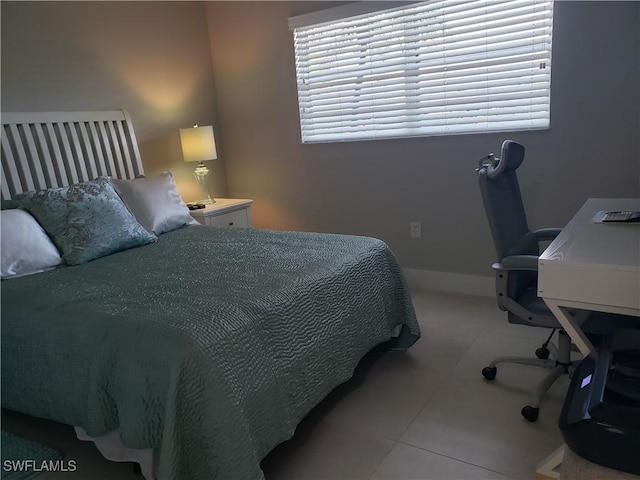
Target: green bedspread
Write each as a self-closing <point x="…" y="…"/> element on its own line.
<point x="211" y="344"/>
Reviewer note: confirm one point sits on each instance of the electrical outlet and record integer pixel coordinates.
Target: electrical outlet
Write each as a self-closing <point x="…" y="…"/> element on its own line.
<point x="416" y="229"/>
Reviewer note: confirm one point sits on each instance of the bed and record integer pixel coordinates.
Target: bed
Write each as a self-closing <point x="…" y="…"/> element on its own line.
<point x="204" y="348"/>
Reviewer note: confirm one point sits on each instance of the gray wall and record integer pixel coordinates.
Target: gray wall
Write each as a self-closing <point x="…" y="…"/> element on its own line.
<point x="157" y="60"/>
<point x="377" y="187"/>
<point x="150" y="58"/>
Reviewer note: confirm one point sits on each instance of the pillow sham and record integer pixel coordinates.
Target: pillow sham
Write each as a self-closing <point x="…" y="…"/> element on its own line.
<point x="155" y="202"/>
<point x="25" y="246"/>
<point x="9" y="204"/>
<point x="85" y="221"/>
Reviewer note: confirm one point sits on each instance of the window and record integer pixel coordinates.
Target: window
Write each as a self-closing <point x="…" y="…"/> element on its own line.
<point x="431" y="68"/>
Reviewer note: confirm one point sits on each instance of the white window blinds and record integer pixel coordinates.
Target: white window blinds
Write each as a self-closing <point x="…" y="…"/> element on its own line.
<point x="431" y="68"/>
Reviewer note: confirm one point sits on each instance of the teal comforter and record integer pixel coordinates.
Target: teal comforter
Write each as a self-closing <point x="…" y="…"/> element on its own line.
<point x="209" y="345"/>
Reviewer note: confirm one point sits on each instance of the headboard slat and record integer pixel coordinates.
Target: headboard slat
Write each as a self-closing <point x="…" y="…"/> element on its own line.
<point x="127" y="154"/>
<point x="115" y="148"/>
<point x="108" y="151"/>
<point x="32" y="160"/>
<point x="23" y="164"/>
<point x="5" y="186"/>
<point x="58" y="165"/>
<point x="46" y="157"/>
<point x="76" y="151"/>
<point x="51" y="149"/>
<point x="9" y="166"/>
<point x="67" y="157"/>
<point x="88" y="150"/>
<point x="95" y="140"/>
<point x="133" y="145"/>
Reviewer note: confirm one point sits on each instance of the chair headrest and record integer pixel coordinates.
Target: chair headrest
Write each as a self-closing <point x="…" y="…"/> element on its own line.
<point x="512" y="157"/>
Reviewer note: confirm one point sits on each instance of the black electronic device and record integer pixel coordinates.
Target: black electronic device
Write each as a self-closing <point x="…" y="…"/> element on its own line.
<point x="624" y="217"/>
<point x="195" y="206"/>
<point x="600" y="419"/>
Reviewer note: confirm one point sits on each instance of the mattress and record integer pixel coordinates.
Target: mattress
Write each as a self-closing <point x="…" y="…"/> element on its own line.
<point x="209" y="345"/>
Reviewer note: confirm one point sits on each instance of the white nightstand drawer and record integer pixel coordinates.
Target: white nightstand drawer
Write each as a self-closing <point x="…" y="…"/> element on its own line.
<point x="226" y="212"/>
<point x="239" y="218"/>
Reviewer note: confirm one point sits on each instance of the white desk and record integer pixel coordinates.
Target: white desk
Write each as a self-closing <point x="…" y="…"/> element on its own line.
<point x="593" y="267"/>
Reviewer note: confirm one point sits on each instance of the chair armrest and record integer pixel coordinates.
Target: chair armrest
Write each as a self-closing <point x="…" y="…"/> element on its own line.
<point x="546" y="233"/>
<point x="517" y="262"/>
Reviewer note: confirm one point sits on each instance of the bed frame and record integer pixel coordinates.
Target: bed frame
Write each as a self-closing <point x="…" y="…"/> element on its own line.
<point x="55" y="149"/>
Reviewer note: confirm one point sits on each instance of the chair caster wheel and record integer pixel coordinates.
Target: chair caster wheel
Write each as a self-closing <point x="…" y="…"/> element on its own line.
<point x="530" y="413"/>
<point x="542" y="353"/>
<point x="489" y="372"/>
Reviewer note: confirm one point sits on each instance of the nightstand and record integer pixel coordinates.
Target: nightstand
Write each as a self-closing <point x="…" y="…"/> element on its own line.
<point x="226" y="212"/>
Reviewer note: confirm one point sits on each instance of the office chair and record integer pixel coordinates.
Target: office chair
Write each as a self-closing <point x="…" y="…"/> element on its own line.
<point x="516" y="271"/>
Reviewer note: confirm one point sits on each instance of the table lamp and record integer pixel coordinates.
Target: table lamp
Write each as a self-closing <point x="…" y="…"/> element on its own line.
<point x="199" y="145"/>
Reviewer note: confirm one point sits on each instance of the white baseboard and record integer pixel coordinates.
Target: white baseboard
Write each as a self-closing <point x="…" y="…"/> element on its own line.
<point x="450" y="282"/>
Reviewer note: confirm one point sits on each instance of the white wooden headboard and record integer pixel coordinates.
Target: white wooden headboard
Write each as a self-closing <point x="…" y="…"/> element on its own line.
<point x="55" y="149"/>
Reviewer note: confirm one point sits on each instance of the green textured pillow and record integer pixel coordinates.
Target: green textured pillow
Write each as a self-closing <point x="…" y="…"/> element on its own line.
<point x="85" y="221"/>
<point x="9" y="204"/>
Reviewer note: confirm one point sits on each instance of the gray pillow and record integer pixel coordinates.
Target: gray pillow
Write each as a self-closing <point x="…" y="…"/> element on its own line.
<point x="85" y="221"/>
<point x="155" y="202"/>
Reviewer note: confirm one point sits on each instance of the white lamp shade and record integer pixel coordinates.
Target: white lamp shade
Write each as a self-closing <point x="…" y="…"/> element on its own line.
<point x="198" y="144"/>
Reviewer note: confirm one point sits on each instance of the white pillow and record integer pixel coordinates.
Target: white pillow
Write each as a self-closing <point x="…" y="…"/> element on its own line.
<point x="155" y="202"/>
<point x="25" y="246"/>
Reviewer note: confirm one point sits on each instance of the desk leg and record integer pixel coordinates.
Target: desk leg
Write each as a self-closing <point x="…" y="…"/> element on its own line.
<point x="571" y="327"/>
<point x="548" y="468"/>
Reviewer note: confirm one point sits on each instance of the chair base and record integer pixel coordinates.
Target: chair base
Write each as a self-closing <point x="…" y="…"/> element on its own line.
<point x="559" y="365"/>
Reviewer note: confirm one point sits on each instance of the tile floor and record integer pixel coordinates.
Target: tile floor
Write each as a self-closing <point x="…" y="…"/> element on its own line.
<point x="422" y="414"/>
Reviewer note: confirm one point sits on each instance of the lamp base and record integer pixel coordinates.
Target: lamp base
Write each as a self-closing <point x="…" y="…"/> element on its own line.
<point x="201" y="173"/>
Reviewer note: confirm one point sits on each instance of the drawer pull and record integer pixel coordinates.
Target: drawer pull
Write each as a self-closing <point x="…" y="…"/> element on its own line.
<point x="231" y="224"/>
